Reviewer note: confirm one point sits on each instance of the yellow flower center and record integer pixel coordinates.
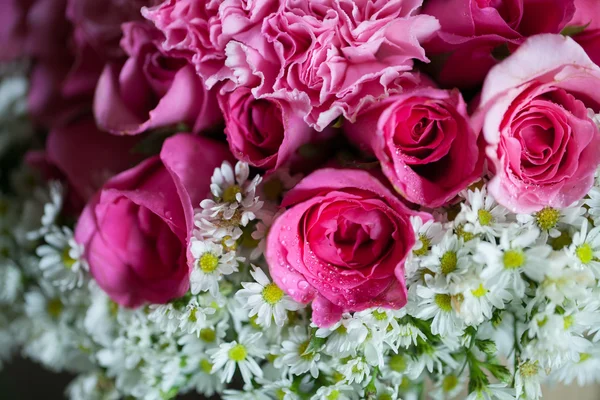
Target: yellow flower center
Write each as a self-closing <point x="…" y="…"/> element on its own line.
<point x="585" y="253"/>
<point x="230" y="193"/>
<point x="448" y="262"/>
<point x="583" y="357"/>
<point x="513" y="259"/>
<point x="449" y="383"/>
<point x="397" y="363"/>
<point x="384" y="396"/>
<point x="568" y="322"/>
<point x="529" y="369"/>
<point x="67" y="260"/>
<point x="208" y="262"/>
<point x="224" y="241"/>
<point x="485" y="217"/>
<point x="273" y="188"/>
<point x="238" y="353"/>
<point x="272" y="294"/>
<point x="302" y="349"/>
<point x="464" y="235"/>
<point x="192" y="317"/>
<point x="206" y="366"/>
<point x="280" y="394"/>
<point x="334" y="395"/>
<point x="208" y="335"/>
<point x="443" y="301"/>
<point x="54" y="307"/>
<point x="480" y="291"/>
<point x="379" y="315"/>
<point x="547" y="218"/>
<point x="425" y="243"/>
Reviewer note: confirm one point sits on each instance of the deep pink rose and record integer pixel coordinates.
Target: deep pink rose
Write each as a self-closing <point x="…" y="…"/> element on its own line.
<point x="542" y="146"/>
<point x="587" y="18"/>
<point x="201" y="29"/>
<point x="266" y="132"/>
<point x="477" y="34"/>
<point x="341" y="244"/>
<point x="425" y="143"/>
<point x="135" y="230"/>
<point x="152" y="88"/>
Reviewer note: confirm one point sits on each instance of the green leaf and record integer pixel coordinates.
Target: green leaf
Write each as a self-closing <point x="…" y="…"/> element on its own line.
<point x="573" y="30"/>
<point x="152" y="142"/>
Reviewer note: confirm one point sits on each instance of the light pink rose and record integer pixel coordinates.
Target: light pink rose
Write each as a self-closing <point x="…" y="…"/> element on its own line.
<point x="542" y="146"/>
<point x="425" y="143"/>
<point x="335" y="57"/>
<point x="266" y="132"/>
<point x="477" y="34"/>
<point x="136" y="229"/>
<point x="341" y="244"/>
<point x="587" y="18"/>
<point x="201" y="29"/>
<point x="152" y="88"/>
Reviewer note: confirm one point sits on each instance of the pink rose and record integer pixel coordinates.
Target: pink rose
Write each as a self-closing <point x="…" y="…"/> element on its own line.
<point x="341" y="244"/>
<point x="152" y="88"/>
<point x="424" y="142"/>
<point x="587" y="18"/>
<point x="335" y="57"/>
<point x="542" y="146"/>
<point x="266" y="132"/>
<point x="201" y="29"/>
<point x="135" y="230"/>
<point x="477" y="34"/>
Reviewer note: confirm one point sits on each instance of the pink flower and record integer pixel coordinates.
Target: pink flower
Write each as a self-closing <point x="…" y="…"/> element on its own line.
<point x="542" y="146"/>
<point x="135" y="230"/>
<point x="587" y="19"/>
<point x="341" y="244"/>
<point x="152" y="88"/>
<point x="201" y="29"/>
<point x="265" y="132"/>
<point x="477" y="34"/>
<point x="335" y="57"/>
<point x="424" y="142"/>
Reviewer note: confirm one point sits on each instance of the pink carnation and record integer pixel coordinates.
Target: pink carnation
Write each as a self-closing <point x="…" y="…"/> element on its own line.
<point x="341" y="244"/>
<point x="425" y="143"/>
<point x="542" y="145"/>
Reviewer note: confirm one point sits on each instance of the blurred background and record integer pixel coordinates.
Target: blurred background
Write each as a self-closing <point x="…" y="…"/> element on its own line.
<point x="23" y="380"/>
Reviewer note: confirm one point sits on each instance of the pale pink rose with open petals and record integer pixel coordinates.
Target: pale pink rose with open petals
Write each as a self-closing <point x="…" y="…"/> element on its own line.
<point x="477" y="34"/>
<point x="152" y="89"/>
<point x="341" y="244"/>
<point x="136" y="229"/>
<point x="335" y="57"/>
<point x="425" y="143"/>
<point x="542" y="145"/>
<point x="265" y="132"/>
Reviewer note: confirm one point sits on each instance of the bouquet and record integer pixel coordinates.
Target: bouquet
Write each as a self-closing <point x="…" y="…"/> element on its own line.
<point x="301" y="199"/>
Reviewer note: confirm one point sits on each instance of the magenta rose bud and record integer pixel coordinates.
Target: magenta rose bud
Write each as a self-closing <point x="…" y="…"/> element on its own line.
<point x="477" y="34"/>
<point x="425" y="143"/>
<point x="542" y="144"/>
<point x="341" y="244"/>
<point x="152" y="88"/>
<point x="265" y="132"/>
<point x="135" y="230"/>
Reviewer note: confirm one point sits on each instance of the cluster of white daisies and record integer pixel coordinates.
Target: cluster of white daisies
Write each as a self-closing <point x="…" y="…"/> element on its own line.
<point x="497" y="303"/>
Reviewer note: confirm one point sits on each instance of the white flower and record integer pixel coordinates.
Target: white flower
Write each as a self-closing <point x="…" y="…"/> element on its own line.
<point x="481" y="214"/>
<point x="336" y="392"/>
<point x="355" y="370"/>
<point x="261" y="231"/>
<point x="449" y="387"/>
<point x="52" y="209"/>
<point x="437" y="305"/>
<point x="585" y="371"/>
<point x="426" y="235"/>
<point x="62" y="260"/>
<point x="11" y="281"/>
<point x="92" y="386"/>
<point x="240" y="354"/>
<point x="551" y="221"/>
<point x="344" y="337"/>
<point x="266" y="300"/>
<point x="584" y="252"/>
<point x="210" y="264"/>
<point x="505" y="262"/>
<point x="479" y="299"/>
<point x="593" y="202"/>
<point x="495" y="391"/>
<point x="294" y="354"/>
<point x="527" y="382"/>
<point x="449" y="261"/>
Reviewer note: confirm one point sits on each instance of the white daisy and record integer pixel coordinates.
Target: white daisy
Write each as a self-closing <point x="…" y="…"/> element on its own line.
<point x="337" y="392"/>
<point x="507" y="261"/>
<point x="62" y="260"/>
<point x="266" y="300"/>
<point x="480" y="214"/>
<point x="478" y="298"/>
<point x="436" y="304"/>
<point x="584" y="252"/>
<point x="449" y="261"/>
<point x="528" y="380"/>
<point x="294" y="355"/>
<point x="449" y="387"/>
<point x="355" y="370"/>
<point x="241" y="353"/>
<point x="552" y="221"/>
<point x="496" y="391"/>
<point x="593" y="202"/>
<point x="52" y="207"/>
<point x="585" y="371"/>
<point x="344" y="337"/>
<point x="211" y="262"/>
<point x="11" y="281"/>
<point x="426" y="235"/>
